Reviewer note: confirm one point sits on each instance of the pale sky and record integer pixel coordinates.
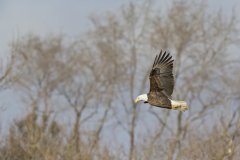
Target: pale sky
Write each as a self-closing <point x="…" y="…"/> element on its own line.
<point x="19" y="17"/>
<point x="69" y="17"/>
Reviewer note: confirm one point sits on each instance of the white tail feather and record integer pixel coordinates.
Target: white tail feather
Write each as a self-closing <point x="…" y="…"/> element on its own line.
<point x="179" y="105"/>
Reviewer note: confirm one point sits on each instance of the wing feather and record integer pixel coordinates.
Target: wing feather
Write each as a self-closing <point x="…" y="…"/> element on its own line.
<point x="161" y="76"/>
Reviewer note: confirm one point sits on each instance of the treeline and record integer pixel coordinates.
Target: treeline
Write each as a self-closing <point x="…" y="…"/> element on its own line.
<point x="79" y="93"/>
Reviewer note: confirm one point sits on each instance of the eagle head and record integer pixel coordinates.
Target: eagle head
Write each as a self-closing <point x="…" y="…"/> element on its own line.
<point x="142" y="97"/>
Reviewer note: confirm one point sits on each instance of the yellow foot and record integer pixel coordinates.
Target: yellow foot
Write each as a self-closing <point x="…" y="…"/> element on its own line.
<point x="179" y="105"/>
<point x="184" y="108"/>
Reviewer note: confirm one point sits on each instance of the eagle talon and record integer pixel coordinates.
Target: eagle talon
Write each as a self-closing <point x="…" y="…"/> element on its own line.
<point x="184" y="108"/>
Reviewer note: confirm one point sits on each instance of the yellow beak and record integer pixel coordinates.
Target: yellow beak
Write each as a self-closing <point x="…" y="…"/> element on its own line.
<point x="136" y="100"/>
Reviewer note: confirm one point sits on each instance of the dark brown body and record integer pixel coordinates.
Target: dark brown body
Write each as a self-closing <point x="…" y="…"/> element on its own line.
<point x="159" y="99"/>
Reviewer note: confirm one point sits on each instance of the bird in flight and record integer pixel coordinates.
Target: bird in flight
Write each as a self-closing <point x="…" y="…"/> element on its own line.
<point x="162" y="84"/>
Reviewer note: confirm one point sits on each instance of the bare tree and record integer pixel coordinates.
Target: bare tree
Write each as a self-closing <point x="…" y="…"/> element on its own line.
<point x="121" y="39"/>
<point x="97" y="77"/>
<point x="201" y="43"/>
<point x="38" y="71"/>
<point x="85" y="88"/>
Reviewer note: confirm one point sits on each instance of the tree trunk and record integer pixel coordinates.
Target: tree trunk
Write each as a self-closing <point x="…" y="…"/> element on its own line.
<point x="132" y="135"/>
<point x="76" y="133"/>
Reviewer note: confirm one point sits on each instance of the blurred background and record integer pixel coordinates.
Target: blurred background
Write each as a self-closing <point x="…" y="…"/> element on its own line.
<point x="70" y="71"/>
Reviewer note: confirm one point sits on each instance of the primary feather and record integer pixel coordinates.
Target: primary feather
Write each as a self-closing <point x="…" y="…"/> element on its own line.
<point x="161" y="76"/>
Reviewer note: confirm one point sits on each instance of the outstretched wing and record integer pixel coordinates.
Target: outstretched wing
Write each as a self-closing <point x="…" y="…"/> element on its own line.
<point x="161" y="76"/>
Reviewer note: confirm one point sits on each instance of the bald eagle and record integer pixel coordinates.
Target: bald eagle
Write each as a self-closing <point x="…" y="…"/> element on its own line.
<point x="162" y="84"/>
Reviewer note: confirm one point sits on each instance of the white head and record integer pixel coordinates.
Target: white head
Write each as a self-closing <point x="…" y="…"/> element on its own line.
<point x="142" y="97"/>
